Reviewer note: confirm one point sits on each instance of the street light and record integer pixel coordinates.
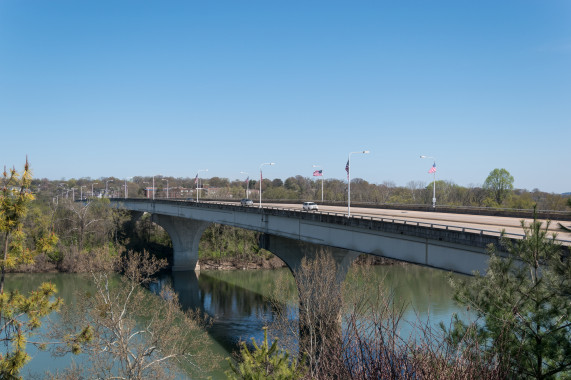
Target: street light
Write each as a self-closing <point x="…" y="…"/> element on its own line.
<point x="106" y="187"/>
<point x="197" y="180"/>
<point x="267" y="163"/>
<point x="81" y="191"/>
<point x="167" y="187"/>
<point x="347" y="168"/>
<point x="94" y="183"/>
<point x="433" y="171"/>
<point x="247" y="185"/>
<point x="147" y="188"/>
<point x="322" y="179"/>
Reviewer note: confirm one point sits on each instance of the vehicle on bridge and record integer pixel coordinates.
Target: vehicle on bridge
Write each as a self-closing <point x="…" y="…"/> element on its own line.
<point x="246" y="202"/>
<point x="309" y="206"/>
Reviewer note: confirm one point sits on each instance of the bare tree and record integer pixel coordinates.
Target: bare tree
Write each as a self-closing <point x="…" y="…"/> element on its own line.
<point x="131" y="333"/>
<point x="415" y="187"/>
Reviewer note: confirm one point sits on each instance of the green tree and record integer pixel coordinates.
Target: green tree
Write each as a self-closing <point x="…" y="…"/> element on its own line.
<point x="524" y="300"/>
<point x="264" y="362"/>
<point x="20" y="315"/>
<point x="500" y="184"/>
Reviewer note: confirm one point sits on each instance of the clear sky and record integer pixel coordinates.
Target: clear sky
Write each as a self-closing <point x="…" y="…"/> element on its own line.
<point x="140" y="88"/>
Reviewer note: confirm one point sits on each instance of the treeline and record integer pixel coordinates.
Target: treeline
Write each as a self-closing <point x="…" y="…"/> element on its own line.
<point x="84" y="227"/>
<point x="496" y="191"/>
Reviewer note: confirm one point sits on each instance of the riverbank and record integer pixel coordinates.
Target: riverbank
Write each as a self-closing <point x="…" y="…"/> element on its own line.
<point x="78" y="264"/>
<point x="275" y="262"/>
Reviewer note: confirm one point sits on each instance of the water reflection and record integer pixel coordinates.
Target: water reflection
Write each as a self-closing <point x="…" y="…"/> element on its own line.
<point x="238" y="300"/>
<point x="238" y="312"/>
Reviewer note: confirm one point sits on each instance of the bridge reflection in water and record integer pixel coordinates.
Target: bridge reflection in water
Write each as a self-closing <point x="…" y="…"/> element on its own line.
<point x="238" y="300"/>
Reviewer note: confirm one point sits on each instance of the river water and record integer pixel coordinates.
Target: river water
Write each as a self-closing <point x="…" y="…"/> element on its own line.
<point x="237" y="300"/>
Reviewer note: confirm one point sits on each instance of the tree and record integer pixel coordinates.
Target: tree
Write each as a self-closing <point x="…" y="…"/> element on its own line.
<point x="264" y="362"/>
<point x="131" y="333"/>
<point x="20" y="315"/>
<point x="500" y="184"/>
<point x="524" y="301"/>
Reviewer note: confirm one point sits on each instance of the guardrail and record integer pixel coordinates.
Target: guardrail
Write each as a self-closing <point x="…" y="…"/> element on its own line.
<point x="472" y="210"/>
<point x="337" y="217"/>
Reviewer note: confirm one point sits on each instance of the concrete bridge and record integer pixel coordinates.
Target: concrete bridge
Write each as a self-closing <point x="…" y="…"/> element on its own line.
<point x="294" y="234"/>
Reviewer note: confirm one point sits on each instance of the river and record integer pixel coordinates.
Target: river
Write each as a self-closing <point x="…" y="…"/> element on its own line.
<point x="237" y="300"/>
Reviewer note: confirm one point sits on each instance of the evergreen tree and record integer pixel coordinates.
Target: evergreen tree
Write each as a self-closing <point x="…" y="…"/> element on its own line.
<point x="264" y="362"/>
<point x="19" y="315"/>
<point x="524" y="300"/>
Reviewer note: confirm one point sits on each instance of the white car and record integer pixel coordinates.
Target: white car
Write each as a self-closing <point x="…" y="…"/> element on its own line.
<point x="246" y="202"/>
<point x="309" y="206"/>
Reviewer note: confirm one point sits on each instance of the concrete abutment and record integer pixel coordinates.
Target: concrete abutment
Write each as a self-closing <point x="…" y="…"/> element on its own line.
<point x="185" y="235"/>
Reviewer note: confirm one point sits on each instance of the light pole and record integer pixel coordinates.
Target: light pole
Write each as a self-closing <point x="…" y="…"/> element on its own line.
<point x="322" y="179"/>
<point x="167" y="187"/>
<point x="433" y="171"/>
<point x="94" y="183"/>
<point x="266" y="163"/>
<point x="198" y="180"/>
<point x="153" y="187"/>
<point x="107" y="186"/>
<point x="347" y="168"/>
<point x="247" y="185"/>
<point x="81" y="191"/>
<point x="146" y="188"/>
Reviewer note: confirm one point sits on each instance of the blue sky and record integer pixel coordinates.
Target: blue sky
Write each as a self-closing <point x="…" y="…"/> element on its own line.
<point x="140" y="88"/>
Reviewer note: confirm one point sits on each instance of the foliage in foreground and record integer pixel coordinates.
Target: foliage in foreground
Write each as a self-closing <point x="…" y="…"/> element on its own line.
<point x="524" y="300"/>
<point x="370" y="345"/>
<point x="19" y="314"/>
<point x="264" y="362"/>
<point x="132" y="334"/>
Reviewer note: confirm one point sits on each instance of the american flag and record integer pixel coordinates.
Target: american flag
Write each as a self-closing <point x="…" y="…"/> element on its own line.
<point x="247" y="179"/>
<point x="433" y="168"/>
<point x="347" y="169"/>
<point x="318" y="173"/>
<point x="196" y="178"/>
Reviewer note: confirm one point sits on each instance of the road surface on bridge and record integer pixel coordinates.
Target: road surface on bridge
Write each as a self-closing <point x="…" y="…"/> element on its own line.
<point x="481" y="222"/>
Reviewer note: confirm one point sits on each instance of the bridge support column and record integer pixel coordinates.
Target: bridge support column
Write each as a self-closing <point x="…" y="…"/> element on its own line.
<point x="185" y="236"/>
<point x="293" y="251"/>
<point x="319" y="291"/>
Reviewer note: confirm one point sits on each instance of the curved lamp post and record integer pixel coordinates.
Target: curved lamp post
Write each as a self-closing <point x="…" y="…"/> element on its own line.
<point x="94" y="183"/>
<point x="198" y="180"/>
<point x="433" y="171"/>
<point x="266" y="163"/>
<point x="107" y="187"/>
<point x="247" y="185"/>
<point x="126" y="188"/>
<point x="322" y="179"/>
<point x="347" y="168"/>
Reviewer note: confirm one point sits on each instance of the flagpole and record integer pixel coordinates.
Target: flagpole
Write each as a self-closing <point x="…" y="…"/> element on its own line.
<point x="322" y="178"/>
<point x="433" y="169"/>
<point x="198" y="180"/>
<point x="247" y="183"/>
<point x="434" y="188"/>
<point x="348" y="168"/>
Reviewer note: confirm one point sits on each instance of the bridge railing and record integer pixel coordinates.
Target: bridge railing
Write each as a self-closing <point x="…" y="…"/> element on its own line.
<point x="342" y="218"/>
